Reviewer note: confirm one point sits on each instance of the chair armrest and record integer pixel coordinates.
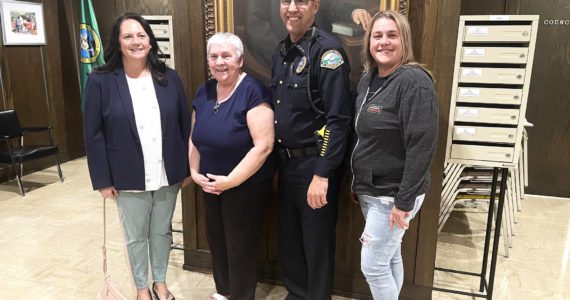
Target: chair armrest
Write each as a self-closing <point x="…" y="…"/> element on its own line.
<point x="35" y="129"/>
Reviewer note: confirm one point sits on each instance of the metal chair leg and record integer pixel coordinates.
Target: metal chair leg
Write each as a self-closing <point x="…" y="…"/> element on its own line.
<point x="18" y="178"/>
<point x="58" y="168"/>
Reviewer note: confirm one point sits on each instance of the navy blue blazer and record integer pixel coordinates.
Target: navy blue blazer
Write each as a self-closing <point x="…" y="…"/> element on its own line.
<point x="114" y="153"/>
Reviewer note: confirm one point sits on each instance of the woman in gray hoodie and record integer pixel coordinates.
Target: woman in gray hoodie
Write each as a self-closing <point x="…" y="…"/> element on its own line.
<point x="396" y="126"/>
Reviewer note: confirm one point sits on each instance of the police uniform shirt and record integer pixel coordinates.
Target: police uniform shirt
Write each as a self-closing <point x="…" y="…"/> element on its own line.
<point x="295" y="119"/>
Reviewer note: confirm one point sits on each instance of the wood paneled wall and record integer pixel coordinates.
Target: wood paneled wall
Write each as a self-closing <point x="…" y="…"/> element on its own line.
<point x="483" y="7"/>
<point x="548" y="105"/>
<point x="41" y="84"/>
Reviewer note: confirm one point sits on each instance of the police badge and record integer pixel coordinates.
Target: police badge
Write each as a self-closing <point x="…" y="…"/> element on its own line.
<point x="301" y="65"/>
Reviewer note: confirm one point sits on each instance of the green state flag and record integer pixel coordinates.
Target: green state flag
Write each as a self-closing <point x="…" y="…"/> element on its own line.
<point x="90" y="47"/>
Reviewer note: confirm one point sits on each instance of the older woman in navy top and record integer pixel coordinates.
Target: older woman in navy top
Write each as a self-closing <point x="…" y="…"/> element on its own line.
<point x="230" y="147"/>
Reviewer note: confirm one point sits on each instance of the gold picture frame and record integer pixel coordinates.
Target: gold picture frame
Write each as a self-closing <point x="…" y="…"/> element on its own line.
<point x="228" y="16"/>
<point x="221" y="13"/>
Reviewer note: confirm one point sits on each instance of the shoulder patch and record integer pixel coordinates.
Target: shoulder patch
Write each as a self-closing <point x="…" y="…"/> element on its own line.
<point x="331" y="59"/>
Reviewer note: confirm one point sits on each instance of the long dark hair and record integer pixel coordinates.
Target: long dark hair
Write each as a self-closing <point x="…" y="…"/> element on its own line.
<point x="114" y="57"/>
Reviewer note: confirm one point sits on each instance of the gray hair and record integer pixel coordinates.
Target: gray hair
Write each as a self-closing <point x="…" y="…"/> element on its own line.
<point x="221" y="38"/>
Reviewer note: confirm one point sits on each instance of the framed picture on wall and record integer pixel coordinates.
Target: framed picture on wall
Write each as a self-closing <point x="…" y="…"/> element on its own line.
<point x="258" y="24"/>
<point x="22" y="23"/>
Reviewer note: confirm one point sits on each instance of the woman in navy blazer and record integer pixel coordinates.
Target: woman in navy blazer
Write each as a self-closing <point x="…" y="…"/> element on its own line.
<point x="136" y="127"/>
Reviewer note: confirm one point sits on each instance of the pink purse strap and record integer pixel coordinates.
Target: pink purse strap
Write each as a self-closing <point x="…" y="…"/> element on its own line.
<point x="125" y="251"/>
<point x="104" y="248"/>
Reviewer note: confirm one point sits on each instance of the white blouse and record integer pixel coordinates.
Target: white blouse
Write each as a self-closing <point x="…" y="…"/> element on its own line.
<point x="149" y="128"/>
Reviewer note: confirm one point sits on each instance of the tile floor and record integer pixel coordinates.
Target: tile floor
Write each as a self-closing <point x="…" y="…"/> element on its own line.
<point x="538" y="266"/>
<point x="50" y="246"/>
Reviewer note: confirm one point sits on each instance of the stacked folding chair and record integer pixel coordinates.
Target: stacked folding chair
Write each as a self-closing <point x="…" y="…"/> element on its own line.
<point x="470" y="185"/>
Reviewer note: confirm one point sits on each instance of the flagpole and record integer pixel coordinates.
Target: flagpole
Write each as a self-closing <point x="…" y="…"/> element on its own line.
<point x="42" y="55"/>
<point x="91" y="52"/>
<point x="76" y="51"/>
<point x="4" y="100"/>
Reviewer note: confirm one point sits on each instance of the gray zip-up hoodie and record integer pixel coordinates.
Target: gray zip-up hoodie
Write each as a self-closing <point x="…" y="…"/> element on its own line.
<point x="396" y="137"/>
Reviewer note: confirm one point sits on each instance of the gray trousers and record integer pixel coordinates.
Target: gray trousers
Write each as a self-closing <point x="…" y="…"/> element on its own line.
<point x="147" y="223"/>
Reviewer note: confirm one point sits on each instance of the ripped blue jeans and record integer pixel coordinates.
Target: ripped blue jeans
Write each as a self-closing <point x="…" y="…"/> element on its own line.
<point x="381" y="256"/>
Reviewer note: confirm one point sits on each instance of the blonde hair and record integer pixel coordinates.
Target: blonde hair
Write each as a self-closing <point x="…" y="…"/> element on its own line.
<point x="406" y="39"/>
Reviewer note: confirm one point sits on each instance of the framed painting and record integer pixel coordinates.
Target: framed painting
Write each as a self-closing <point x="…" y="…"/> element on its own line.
<point x="259" y="25"/>
<point x="22" y="23"/>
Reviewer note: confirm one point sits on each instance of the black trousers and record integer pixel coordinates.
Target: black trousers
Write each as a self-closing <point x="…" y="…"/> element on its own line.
<point x="306" y="235"/>
<point x="234" y="222"/>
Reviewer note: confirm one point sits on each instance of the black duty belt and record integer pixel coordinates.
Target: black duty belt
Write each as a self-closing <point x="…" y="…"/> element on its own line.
<point x="298" y="152"/>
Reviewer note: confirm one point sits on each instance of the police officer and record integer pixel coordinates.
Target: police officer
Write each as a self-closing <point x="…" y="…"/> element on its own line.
<point x="310" y="88"/>
<point x="263" y="28"/>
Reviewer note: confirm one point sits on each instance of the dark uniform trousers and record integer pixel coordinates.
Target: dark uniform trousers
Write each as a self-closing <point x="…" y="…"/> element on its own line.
<point x="306" y="235"/>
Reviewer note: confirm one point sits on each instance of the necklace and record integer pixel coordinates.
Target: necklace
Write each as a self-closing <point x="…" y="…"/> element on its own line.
<point x="217" y="107"/>
<point x="220" y="101"/>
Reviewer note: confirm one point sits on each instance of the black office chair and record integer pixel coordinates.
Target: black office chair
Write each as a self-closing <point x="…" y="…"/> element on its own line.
<point x="16" y="155"/>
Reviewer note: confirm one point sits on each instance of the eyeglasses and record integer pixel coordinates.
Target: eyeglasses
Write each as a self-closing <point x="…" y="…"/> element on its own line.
<point x="297" y="2"/>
